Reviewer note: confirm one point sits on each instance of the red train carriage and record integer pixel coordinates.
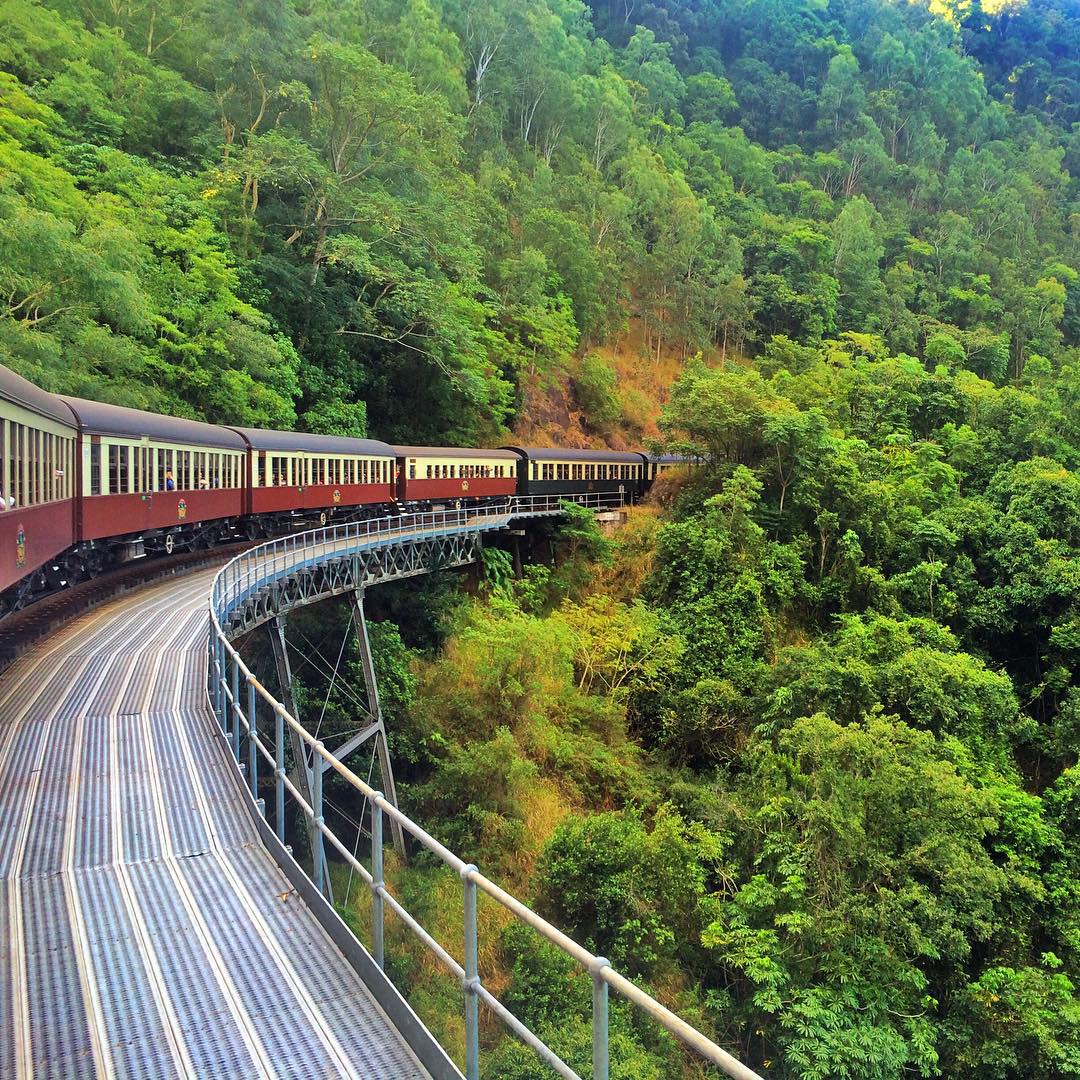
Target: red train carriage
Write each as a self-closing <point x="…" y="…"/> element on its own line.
<point x="37" y="478"/>
<point x="313" y="477"/>
<point x="427" y="473"/>
<point x="154" y="483"/>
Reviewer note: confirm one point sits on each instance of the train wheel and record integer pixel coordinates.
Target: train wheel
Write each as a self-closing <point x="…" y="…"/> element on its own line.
<point x="170" y="543"/>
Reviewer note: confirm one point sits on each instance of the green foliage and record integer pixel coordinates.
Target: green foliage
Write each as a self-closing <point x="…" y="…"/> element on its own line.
<point x="627" y="892"/>
<point x="435" y="206"/>
<point x="595" y="389"/>
<point x="854" y="664"/>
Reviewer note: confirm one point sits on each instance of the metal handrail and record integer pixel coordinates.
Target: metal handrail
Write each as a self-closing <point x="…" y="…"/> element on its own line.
<point x="271" y="561"/>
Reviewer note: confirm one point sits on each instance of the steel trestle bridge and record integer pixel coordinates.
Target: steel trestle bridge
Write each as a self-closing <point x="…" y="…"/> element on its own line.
<point x="152" y="920"/>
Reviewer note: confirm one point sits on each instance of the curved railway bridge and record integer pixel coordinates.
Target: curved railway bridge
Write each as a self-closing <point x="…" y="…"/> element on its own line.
<point x="152" y="921"/>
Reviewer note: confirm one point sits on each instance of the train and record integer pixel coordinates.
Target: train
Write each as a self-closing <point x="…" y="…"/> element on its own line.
<point x="86" y="485"/>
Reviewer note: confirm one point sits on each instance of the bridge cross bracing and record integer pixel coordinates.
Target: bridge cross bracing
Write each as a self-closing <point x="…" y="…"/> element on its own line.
<point x="145" y="930"/>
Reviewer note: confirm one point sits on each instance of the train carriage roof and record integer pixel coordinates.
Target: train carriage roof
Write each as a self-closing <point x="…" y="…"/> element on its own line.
<point x="543" y="453"/>
<point x="22" y="392"/>
<point x="454" y="451"/>
<point x="296" y="442"/>
<point x="97" y="418"/>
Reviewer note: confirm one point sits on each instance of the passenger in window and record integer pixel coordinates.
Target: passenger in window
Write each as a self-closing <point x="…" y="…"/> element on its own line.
<point x="8" y="503"/>
<point x="170" y="483"/>
<point x="204" y="484"/>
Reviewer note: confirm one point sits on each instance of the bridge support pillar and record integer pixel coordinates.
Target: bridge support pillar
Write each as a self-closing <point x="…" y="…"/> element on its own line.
<point x="303" y="771"/>
<point x="378" y="727"/>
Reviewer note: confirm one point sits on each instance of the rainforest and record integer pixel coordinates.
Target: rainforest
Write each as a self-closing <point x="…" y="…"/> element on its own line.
<point x="796" y="747"/>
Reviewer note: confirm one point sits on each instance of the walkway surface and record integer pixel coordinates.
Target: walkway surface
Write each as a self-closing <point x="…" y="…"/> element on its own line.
<point x="144" y="929"/>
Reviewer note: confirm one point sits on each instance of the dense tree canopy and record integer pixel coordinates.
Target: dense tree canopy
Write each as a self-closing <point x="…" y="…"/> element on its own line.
<point x="313" y="214"/>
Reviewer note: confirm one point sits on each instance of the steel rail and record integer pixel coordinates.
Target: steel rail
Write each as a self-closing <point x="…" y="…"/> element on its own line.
<point x="270" y="563"/>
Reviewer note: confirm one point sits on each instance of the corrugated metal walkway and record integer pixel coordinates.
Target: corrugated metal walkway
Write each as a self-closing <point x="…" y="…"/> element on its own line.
<point x="144" y="929"/>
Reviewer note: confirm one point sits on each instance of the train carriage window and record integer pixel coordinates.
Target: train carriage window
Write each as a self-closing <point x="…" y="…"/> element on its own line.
<point x="15" y="486"/>
<point x="7" y="459"/>
<point x="22" y="467"/>
<point x="33" y="457"/>
<point x="5" y="467"/>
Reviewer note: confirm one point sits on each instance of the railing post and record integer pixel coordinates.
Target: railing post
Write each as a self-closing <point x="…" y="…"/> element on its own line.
<point x="234" y="708"/>
<point x="253" y="750"/>
<point x="472" y="978"/>
<point x="279" y="774"/>
<point x="219" y="681"/>
<point x="318" y="853"/>
<point x="599" y="1019"/>
<point x="376" y="879"/>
